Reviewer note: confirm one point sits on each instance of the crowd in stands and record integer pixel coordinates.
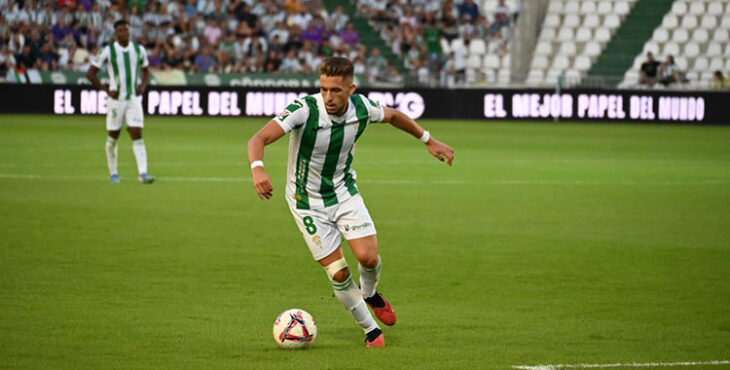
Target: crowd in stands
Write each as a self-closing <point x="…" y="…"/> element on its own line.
<point x="667" y="73"/>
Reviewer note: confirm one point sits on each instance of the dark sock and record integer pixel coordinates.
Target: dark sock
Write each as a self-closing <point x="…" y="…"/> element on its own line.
<point x="376" y="300"/>
<point x="372" y="334"/>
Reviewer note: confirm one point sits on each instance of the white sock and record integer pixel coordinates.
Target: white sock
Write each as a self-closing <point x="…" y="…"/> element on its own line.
<point x="111" y="154"/>
<point x="140" y="153"/>
<point x="369" y="278"/>
<point x="350" y="296"/>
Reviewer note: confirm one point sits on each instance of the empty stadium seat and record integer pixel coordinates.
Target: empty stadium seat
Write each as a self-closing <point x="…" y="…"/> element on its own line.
<point x="660" y="35"/>
<point x="544" y="48"/>
<point x="700" y="35"/>
<point x="491" y="61"/>
<point x="622" y="8"/>
<point x="540" y="62"/>
<point x="689" y="22"/>
<point x="716" y="63"/>
<point x="605" y="7"/>
<point x="721" y="36"/>
<point x="548" y="34"/>
<point x="566" y="34"/>
<point x="709" y="22"/>
<point x="477" y="47"/>
<point x="571" y="20"/>
<point x="603" y="34"/>
<point x="582" y="63"/>
<point x="612" y="21"/>
<point x="588" y="7"/>
<point x="552" y="20"/>
<point x="474" y="61"/>
<point x="571" y="7"/>
<point x="697" y="8"/>
<point x="670" y="48"/>
<point x="692" y="49"/>
<point x="561" y="62"/>
<point x="714" y="8"/>
<point x="714" y="49"/>
<point x="584" y="35"/>
<point x="568" y="48"/>
<point x="592" y="49"/>
<point x="679" y="8"/>
<point x="555" y="7"/>
<point x="670" y="21"/>
<point x="591" y="21"/>
<point x="680" y="35"/>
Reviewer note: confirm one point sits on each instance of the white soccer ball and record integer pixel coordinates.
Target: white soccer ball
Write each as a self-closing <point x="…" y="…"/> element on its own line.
<point x="295" y="328"/>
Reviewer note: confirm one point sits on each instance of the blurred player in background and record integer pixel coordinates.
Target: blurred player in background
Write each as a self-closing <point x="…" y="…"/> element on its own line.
<point x="124" y="60"/>
<point x="321" y="190"/>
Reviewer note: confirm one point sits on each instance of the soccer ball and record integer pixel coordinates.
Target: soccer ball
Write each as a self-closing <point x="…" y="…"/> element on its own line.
<point x="295" y="328"/>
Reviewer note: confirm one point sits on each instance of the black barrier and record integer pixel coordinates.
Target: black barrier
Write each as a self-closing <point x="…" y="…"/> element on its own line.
<point x="692" y="107"/>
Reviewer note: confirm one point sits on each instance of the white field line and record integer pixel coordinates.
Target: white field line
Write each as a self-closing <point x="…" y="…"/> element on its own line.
<point x="392" y="182"/>
<point x="633" y="364"/>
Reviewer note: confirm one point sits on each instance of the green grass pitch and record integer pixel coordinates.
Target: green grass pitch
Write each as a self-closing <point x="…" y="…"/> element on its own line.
<point x="545" y="243"/>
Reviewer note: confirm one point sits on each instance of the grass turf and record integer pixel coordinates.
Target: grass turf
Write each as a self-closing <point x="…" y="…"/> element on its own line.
<point x="545" y="243"/>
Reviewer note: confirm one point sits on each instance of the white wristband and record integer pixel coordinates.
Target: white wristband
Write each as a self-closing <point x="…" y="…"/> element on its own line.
<point x="425" y="137"/>
<point x="255" y="164"/>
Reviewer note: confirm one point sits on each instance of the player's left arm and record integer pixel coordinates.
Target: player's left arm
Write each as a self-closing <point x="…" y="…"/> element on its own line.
<point x="400" y="120"/>
<point x="145" y="72"/>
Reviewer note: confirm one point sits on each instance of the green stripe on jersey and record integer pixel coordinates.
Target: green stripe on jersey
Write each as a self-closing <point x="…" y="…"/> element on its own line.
<point x="115" y="67"/>
<point x="306" y="147"/>
<point x="349" y="179"/>
<point x="362" y="114"/>
<point x="138" y="65"/>
<point x="128" y="72"/>
<point x="327" y="188"/>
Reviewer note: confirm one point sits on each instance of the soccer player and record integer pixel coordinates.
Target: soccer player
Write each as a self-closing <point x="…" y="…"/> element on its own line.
<point x="124" y="60"/>
<point x="321" y="190"/>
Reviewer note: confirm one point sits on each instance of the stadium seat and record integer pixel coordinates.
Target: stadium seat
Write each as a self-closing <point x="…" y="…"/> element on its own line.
<point x="592" y="49"/>
<point x="697" y="8"/>
<point x="503" y="76"/>
<point x="714" y="8"/>
<point x="714" y="49"/>
<point x="721" y="36"/>
<point x="612" y="21"/>
<point x="727" y="65"/>
<point x="701" y="64"/>
<point x="571" y="20"/>
<point x="582" y="63"/>
<point x="587" y="7"/>
<point x="474" y="61"/>
<point x="652" y="47"/>
<point x="555" y="7"/>
<point x="540" y="62"/>
<point x="506" y="61"/>
<point x="552" y="76"/>
<point x="692" y="49"/>
<point x="660" y="35"/>
<point x="681" y="62"/>
<point x="591" y="21"/>
<point x="603" y="34"/>
<point x="552" y="21"/>
<point x="583" y="35"/>
<point x="622" y="8"/>
<point x="709" y="22"/>
<point x="680" y="35"/>
<point x="700" y="35"/>
<point x="492" y="61"/>
<point x="670" y="21"/>
<point x="566" y="34"/>
<point x="679" y="8"/>
<point x="572" y="77"/>
<point x="568" y="48"/>
<point x="716" y="63"/>
<point x="571" y="7"/>
<point x="535" y="77"/>
<point x="689" y="22"/>
<point x="670" y="48"/>
<point x="477" y="47"/>
<point x="544" y="48"/>
<point x="727" y="51"/>
<point x="457" y="44"/>
<point x="561" y="62"/>
<point x="548" y="34"/>
<point x="605" y="7"/>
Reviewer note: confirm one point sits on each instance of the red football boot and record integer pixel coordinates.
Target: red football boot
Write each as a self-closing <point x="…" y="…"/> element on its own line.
<point x="377" y="342"/>
<point x="382" y="309"/>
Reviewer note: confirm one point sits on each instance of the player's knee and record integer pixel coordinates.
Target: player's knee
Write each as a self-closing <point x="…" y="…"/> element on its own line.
<point x="370" y="260"/>
<point x="342" y="275"/>
<point x="337" y="270"/>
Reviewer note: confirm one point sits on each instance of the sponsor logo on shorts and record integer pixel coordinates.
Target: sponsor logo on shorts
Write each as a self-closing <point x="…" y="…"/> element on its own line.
<point x="349" y="228"/>
<point x="317" y="240"/>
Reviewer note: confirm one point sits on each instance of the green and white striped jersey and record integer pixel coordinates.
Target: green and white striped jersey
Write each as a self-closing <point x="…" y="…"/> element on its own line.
<point x="123" y="66"/>
<point x="321" y="149"/>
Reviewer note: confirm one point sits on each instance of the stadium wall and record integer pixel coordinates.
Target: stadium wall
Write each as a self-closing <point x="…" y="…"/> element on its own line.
<point x="693" y="107"/>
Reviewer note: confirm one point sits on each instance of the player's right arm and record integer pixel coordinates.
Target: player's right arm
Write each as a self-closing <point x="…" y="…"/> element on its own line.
<point x="292" y="118"/>
<point x="91" y="74"/>
<point x="267" y="135"/>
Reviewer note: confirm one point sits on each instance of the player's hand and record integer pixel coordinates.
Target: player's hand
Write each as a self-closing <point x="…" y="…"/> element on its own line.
<point x="140" y="89"/>
<point x="112" y="93"/>
<point x="441" y="151"/>
<point x="262" y="183"/>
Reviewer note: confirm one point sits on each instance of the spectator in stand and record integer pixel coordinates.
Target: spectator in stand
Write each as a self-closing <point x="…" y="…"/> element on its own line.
<point x="432" y="36"/>
<point x="291" y="63"/>
<point x="470" y="9"/>
<point x="7" y="60"/>
<point x="649" y="71"/>
<point x="339" y="19"/>
<point x="204" y="61"/>
<point x="155" y="58"/>
<point x="313" y="33"/>
<point x="501" y="17"/>
<point x="212" y="32"/>
<point x="349" y="35"/>
<point x="668" y="72"/>
<point x="720" y="82"/>
<point x="47" y="59"/>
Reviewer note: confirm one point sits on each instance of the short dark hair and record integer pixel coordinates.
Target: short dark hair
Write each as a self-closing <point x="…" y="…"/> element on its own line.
<point x="121" y="22"/>
<point x="337" y="66"/>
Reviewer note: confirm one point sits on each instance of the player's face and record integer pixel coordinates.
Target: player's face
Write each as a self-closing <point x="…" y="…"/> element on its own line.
<point x="336" y="90"/>
<point x="122" y="34"/>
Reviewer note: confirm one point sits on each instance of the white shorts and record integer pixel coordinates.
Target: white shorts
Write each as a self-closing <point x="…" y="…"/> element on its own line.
<point x="323" y="228"/>
<point x="124" y="111"/>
